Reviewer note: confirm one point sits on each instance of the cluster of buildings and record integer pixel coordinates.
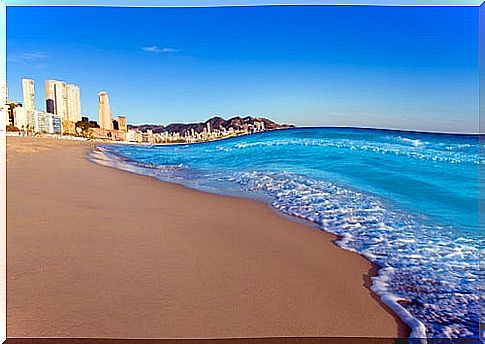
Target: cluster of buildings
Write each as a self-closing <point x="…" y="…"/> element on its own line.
<point x="26" y="118"/>
<point x="62" y="116"/>
<point x="209" y="133"/>
<point x="192" y="136"/>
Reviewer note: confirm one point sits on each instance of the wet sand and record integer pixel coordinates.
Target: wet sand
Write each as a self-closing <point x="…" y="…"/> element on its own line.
<point x="98" y="252"/>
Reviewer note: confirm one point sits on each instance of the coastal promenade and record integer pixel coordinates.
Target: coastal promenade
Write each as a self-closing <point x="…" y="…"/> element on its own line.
<point x="98" y="252"/>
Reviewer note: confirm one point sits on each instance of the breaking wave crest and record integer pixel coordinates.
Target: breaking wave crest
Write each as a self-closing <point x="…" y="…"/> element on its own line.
<point x="432" y="153"/>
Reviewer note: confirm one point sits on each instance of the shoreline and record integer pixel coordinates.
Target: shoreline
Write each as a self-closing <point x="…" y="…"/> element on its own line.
<point x="114" y="142"/>
<point x="393" y="306"/>
<point x="283" y="236"/>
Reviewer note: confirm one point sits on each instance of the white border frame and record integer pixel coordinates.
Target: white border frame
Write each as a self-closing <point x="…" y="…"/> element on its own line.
<point x="143" y="3"/>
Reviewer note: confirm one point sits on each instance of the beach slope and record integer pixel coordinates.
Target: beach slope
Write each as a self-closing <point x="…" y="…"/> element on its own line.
<point x="98" y="252"/>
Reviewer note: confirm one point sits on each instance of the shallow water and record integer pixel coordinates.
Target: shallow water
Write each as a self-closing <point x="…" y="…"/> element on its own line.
<point x="407" y="201"/>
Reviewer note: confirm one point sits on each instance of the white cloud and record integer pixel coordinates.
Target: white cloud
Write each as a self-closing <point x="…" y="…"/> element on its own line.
<point x="152" y="49"/>
<point x="26" y="57"/>
<point x="156" y="49"/>
<point x="170" y="50"/>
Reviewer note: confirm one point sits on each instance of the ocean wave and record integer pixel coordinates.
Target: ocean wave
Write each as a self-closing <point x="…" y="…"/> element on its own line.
<point x="424" y="266"/>
<point x="110" y="158"/>
<point x="413" y="142"/>
<point x="415" y="149"/>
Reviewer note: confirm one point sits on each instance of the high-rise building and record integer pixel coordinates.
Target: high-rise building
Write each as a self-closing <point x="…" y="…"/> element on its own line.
<point x="104" y="111"/>
<point x="73" y="103"/>
<point x="63" y="99"/>
<point x="28" y="91"/>
<point x="122" y="124"/>
<point x="56" y="98"/>
<point x="23" y="116"/>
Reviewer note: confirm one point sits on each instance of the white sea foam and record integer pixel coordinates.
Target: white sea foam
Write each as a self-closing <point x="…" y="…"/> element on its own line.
<point x="108" y="158"/>
<point x="412" y="150"/>
<point x="413" y="142"/>
<point x="422" y="265"/>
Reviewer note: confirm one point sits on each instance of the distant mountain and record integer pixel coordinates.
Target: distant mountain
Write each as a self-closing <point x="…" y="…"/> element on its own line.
<point x="237" y="123"/>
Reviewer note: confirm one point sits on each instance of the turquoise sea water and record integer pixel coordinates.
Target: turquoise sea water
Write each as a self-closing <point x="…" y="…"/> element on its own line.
<point x="407" y="201"/>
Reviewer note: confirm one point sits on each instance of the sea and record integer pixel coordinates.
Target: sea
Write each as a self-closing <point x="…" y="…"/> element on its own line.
<point x="407" y="201"/>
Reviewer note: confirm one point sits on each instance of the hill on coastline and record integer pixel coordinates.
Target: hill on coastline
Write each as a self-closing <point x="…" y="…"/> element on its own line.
<point x="237" y="123"/>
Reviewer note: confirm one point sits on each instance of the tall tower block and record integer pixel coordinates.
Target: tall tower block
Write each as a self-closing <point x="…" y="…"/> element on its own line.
<point x="28" y="91"/>
<point x="105" y="121"/>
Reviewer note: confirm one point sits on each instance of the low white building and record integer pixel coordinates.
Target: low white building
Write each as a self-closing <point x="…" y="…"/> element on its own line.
<point x="37" y="121"/>
<point x="48" y="123"/>
<point x="24" y="119"/>
<point x="134" y="136"/>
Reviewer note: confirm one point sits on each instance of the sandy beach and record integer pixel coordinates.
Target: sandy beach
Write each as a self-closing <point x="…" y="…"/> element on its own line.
<point x="98" y="252"/>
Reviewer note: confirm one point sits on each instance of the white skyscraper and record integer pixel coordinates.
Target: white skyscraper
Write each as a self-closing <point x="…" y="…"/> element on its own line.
<point x="104" y="110"/>
<point x="56" y="97"/>
<point x="73" y="103"/>
<point x="28" y="90"/>
<point x="63" y="99"/>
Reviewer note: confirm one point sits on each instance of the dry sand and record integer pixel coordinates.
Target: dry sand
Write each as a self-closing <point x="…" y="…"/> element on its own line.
<point x="98" y="252"/>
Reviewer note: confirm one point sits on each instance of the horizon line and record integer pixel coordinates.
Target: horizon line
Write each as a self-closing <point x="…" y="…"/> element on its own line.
<point x="417" y="131"/>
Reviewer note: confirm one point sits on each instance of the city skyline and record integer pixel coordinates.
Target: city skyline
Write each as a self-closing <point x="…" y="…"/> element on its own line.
<point x="62" y="117"/>
<point x="408" y="78"/>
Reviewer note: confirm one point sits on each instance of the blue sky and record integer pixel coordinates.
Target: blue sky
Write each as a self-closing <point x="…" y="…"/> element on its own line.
<point x="394" y="67"/>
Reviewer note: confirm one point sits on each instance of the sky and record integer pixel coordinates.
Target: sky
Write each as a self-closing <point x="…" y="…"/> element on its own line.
<point x="371" y="66"/>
